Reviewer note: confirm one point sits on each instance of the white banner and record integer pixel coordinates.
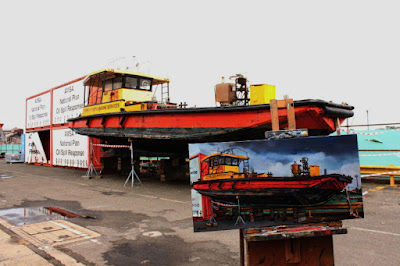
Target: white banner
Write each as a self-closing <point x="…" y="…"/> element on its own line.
<point x="68" y="102"/>
<point x="34" y="152"/>
<point x="70" y="149"/>
<point x="38" y="111"/>
<point x="197" y="206"/>
<point x="194" y="168"/>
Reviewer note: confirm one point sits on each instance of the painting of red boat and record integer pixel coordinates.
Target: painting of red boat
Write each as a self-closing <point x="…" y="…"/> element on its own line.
<point x="269" y="182"/>
<point x="275" y="192"/>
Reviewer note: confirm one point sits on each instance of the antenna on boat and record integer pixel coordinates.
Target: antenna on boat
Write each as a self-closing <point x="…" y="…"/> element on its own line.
<point x="126" y="62"/>
<point x="113" y="61"/>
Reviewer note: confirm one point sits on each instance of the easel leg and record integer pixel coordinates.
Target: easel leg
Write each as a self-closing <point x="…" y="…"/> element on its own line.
<point x="241" y="239"/>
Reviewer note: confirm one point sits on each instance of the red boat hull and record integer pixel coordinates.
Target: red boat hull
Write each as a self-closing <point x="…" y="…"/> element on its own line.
<point x="210" y="124"/>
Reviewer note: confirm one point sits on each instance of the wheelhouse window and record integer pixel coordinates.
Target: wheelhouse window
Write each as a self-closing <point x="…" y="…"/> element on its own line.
<point x="131" y="82"/>
<point x="108" y="85"/>
<point x="117" y="83"/>
<point x="235" y="161"/>
<point x="139" y="83"/>
<point x="216" y="162"/>
<point x="127" y="81"/>
<point x="229" y="161"/>
<point x="145" y="84"/>
<point x="112" y="83"/>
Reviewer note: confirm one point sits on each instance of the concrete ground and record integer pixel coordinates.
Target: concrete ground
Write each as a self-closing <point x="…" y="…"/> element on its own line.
<point x="152" y="224"/>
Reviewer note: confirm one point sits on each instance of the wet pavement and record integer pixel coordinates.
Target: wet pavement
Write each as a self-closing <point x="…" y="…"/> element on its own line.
<point x="152" y="225"/>
<point x="22" y="216"/>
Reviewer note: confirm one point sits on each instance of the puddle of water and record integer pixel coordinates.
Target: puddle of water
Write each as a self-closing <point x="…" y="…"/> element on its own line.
<point x="31" y="215"/>
<point x="28" y="215"/>
<point x="153" y="234"/>
<point x="5" y="176"/>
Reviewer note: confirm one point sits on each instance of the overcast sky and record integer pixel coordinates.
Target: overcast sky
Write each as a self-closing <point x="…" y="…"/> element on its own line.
<point x="344" y="51"/>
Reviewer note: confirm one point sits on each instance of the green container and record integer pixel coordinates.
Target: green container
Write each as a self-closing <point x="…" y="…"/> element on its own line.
<point x="10" y="148"/>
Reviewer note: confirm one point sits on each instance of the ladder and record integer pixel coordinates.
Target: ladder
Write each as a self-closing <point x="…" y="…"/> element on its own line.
<point x="246" y="166"/>
<point x="165" y="92"/>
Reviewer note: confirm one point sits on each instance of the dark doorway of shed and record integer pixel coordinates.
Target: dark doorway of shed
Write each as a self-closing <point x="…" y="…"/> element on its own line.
<point x="44" y="137"/>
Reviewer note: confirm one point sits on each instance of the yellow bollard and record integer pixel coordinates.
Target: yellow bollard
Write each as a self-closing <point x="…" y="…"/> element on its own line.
<point x="392" y="180"/>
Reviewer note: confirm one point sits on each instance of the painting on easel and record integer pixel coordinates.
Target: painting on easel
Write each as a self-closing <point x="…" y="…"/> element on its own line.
<point x="258" y="183"/>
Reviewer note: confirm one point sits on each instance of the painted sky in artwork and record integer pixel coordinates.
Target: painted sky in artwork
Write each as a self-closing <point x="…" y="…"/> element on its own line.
<point x="336" y="154"/>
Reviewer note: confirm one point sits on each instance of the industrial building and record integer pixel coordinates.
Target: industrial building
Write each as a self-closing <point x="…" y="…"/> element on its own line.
<point x="49" y="141"/>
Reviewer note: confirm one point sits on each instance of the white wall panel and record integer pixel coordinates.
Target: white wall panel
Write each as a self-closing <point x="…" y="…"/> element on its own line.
<point x="38" y="111"/>
<point x="70" y="149"/>
<point x="68" y="102"/>
<point x="197" y="205"/>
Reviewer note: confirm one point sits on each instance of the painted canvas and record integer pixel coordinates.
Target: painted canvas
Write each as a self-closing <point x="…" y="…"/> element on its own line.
<point x="260" y="183"/>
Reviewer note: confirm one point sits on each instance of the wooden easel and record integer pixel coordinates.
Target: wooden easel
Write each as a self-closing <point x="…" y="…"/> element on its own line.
<point x="279" y="104"/>
<point x="309" y="244"/>
<point x="299" y="244"/>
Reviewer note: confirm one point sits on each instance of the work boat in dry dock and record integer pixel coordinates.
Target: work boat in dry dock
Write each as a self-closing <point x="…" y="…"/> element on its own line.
<point x="221" y="180"/>
<point x="121" y="104"/>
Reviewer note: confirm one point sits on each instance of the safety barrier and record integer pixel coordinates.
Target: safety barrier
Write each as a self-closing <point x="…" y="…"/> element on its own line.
<point x="377" y="170"/>
<point x="112" y="146"/>
<point x="363" y="133"/>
